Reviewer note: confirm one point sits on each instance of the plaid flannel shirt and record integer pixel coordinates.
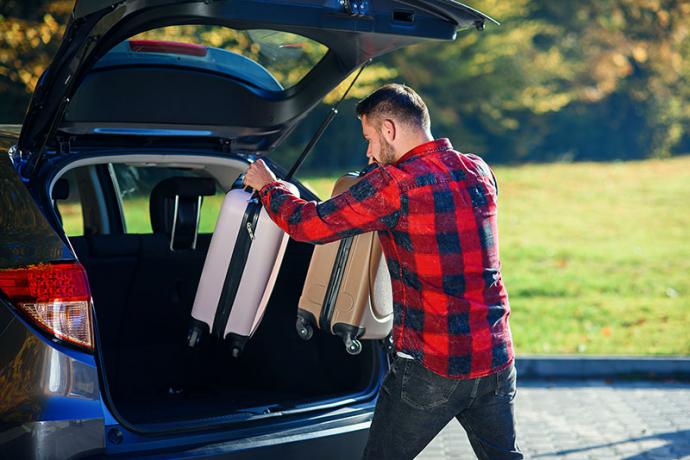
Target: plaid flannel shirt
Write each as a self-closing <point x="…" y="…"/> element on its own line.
<point x="435" y="213"/>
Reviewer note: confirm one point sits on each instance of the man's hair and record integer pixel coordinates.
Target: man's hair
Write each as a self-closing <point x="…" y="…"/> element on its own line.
<point x="398" y="102"/>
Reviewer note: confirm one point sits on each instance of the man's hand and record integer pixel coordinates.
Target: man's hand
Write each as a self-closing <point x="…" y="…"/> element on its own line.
<point x="258" y="175"/>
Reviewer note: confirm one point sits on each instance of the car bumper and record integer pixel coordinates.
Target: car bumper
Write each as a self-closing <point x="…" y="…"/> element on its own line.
<point x="60" y="439"/>
<point x="85" y="439"/>
<point x="346" y="442"/>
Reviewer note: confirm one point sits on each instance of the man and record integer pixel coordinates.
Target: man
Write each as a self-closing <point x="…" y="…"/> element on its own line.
<point x="435" y="212"/>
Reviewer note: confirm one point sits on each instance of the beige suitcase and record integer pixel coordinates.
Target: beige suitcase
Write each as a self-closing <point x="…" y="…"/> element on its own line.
<point x="348" y="290"/>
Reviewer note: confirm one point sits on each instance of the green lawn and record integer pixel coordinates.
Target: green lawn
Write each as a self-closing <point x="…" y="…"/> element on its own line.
<point x="596" y="256"/>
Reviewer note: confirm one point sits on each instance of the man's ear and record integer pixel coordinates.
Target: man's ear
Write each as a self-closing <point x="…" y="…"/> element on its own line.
<point x="389" y="130"/>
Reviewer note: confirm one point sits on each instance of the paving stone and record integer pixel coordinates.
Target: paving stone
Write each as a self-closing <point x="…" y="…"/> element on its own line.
<point x="589" y="419"/>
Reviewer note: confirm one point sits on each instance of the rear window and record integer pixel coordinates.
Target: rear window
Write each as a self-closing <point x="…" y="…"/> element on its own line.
<point x="287" y="57"/>
<point x="134" y="186"/>
<point x="82" y="199"/>
<point x="69" y="205"/>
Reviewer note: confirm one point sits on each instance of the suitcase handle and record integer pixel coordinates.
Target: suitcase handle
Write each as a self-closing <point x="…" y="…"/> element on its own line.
<point x="239" y="183"/>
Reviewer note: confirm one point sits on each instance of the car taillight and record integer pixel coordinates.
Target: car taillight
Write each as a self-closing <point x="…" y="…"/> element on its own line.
<point x="157" y="46"/>
<point x="56" y="297"/>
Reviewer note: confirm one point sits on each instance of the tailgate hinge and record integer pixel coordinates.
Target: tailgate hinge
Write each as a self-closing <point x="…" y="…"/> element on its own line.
<point x="65" y="145"/>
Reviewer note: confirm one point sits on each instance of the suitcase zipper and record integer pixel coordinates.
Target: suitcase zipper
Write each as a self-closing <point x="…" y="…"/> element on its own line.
<point x="238" y="261"/>
<point x="250" y="231"/>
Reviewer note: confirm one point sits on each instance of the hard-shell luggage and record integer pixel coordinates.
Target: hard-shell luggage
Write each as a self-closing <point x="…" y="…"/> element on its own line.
<point x="239" y="272"/>
<point x="348" y="290"/>
<point x="243" y="260"/>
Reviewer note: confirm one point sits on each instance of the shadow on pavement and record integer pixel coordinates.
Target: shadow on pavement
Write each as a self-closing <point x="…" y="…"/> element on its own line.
<point x="678" y="441"/>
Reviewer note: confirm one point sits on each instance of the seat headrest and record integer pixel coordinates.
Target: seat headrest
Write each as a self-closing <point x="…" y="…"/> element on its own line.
<point x="186" y="186"/>
<point x="60" y="189"/>
<point x="187" y="191"/>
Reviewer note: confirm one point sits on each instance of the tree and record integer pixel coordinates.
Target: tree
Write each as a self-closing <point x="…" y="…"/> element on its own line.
<point x="614" y="71"/>
<point x="30" y="33"/>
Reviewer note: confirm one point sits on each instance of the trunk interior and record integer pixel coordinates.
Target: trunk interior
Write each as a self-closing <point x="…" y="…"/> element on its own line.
<point x="143" y="295"/>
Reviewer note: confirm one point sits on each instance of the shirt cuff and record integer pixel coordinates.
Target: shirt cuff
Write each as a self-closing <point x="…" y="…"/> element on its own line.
<point x="266" y="189"/>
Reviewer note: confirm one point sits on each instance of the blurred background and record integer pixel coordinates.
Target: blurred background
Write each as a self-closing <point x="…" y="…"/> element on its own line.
<point x="582" y="108"/>
<point x="557" y="81"/>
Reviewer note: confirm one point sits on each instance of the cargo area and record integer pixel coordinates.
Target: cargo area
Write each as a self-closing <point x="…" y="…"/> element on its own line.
<point x="143" y="295"/>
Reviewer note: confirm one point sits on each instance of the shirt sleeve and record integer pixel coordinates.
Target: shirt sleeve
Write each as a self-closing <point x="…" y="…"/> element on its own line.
<point x="371" y="204"/>
<point x="485" y="169"/>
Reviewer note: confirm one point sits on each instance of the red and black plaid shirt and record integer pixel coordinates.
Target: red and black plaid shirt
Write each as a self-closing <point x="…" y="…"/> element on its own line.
<point x="435" y="213"/>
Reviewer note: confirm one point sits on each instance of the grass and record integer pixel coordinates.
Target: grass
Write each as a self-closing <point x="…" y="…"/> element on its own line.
<point x="596" y="256"/>
<point x="137" y="219"/>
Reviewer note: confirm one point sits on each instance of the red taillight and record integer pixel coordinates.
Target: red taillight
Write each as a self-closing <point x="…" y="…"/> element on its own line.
<point x="55" y="297"/>
<point x="156" y="46"/>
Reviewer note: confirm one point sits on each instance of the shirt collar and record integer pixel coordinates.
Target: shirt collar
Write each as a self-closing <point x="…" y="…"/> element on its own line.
<point x="437" y="145"/>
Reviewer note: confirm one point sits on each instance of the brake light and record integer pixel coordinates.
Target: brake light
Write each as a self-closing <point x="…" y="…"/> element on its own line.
<point x="157" y="46"/>
<point x="55" y="297"/>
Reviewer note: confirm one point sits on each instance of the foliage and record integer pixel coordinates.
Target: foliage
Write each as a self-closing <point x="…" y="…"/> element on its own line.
<point x="558" y="79"/>
<point x="30" y="33"/>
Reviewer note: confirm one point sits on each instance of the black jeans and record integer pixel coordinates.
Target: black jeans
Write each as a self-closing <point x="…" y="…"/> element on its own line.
<point x="415" y="404"/>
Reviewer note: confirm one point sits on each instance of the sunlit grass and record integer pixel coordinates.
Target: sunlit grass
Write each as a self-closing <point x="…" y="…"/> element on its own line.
<point x="138" y="220"/>
<point x="596" y="256"/>
<point x="137" y="216"/>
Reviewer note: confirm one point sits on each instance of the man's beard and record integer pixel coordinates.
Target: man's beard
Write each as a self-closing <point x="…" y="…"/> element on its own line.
<point x="387" y="153"/>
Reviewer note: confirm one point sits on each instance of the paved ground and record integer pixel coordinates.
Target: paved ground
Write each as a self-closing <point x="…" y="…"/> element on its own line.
<point x="590" y="419"/>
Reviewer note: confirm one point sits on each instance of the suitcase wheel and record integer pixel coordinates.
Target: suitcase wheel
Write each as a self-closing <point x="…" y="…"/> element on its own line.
<point x="194" y="336"/>
<point x="236" y="343"/>
<point x="353" y="347"/>
<point x="304" y="329"/>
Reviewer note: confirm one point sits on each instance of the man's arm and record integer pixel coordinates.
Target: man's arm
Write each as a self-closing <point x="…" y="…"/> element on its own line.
<point x="371" y="204"/>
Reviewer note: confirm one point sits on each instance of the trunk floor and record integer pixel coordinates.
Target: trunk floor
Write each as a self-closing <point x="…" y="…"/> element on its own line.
<point x="196" y="403"/>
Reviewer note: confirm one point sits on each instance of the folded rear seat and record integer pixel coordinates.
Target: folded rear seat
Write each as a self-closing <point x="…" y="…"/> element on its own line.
<point x="110" y="262"/>
<point x="166" y="276"/>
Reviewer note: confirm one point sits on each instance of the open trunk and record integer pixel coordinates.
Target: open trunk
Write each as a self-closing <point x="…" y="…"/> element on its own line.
<point x="143" y="295"/>
<point x="166" y="97"/>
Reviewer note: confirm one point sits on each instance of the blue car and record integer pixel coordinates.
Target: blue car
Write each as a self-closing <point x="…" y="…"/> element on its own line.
<point x="95" y="294"/>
